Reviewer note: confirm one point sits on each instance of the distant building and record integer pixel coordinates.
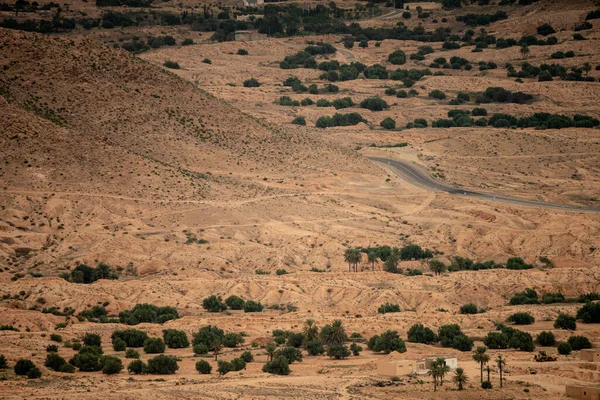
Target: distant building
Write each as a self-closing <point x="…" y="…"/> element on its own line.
<point x="395" y="365"/>
<point x="591" y="355"/>
<point x="583" y="392"/>
<point x="249" y="36"/>
<point x="251" y="3"/>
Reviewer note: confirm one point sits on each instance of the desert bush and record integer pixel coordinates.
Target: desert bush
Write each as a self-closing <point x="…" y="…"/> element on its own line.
<point x="111" y="365"/>
<point x="437" y="94"/>
<point x="546" y="338"/>
<point x="290" y="353"/>
<point x="338" y="351"/>
<point x="388" y="308"/>
<point x="203" y="367"/>
<point x="528" y="296"/>
<point x="501" y="95"/>
<point x="468" y="308"/>
<point x="452" y="336"/>
<point x="450" y="45"/>
<point x="207" y="61"/>
<point x="154" y="346"/>
<point x="545" y="30"/>
<point x="231" y="340"/>
<point x="565" y="321"/>
<point x="132" y="337"/>
<point x="387" y="342"/>
<point x="54" y="361"/>
<point x="374" y="104"/>
<point x="187" y="42"/>
<point x="398" y="57"/>
<point x="55" y="337"/>
<point x="131" y="353"/>
<point x="521" y="318"/>
<point x="171" y="64"/>
<point x="253" y="306"/>
<point x="251" y="83"/>
<point x="224" y="367"/>
<point x="295" y="339"/>
<point x="391" y="91"/>
<point x="375" y="71"/>
<point x="299" y="120"/>
<point x="339" y="120"/>
<point x="589" y="313"/>
<point x="86" y="274"/>
<point x="175" y="339"/>
<point x="579" y="342"/>
<point x="214" y="304"/>
<point x="119" y="345"/>
<point x="479" y="112"/>
<point x="137" y="367"/>
<point x="388" y="123"/>
<point x="496" y="340"/>
<point x="486" y="385"/>
<point x="355" y="349"/>
<point x="242" y="52"/>
<point x="278" y="366"/>
<point x="23" y="366"/>
<point x="162" y="365"/>
<point x="92" y="339"/>
<point x="421" y="334"/>
<point x="314" y="347"/>
<point x="147" y="313"/>
<point x="200" y="349"/>
<point x="34" y="373"/>
<point x="564" y="348"/>
<point x="344" y="102"/>
<point x="283" y="101"/>
<point x="401" y="94"/>
<point x="247" y="356"/>
<point x="3" y="363"/>
<point x="517" y="339"/>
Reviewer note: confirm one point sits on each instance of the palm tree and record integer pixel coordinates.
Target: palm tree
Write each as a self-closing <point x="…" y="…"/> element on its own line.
<point x="444" y="368"/>
<point x="217" y="347"/>
<point x="271" y="350"/>
<point x="348" y="257"/>
<point x="334" y="333"/>
<point x="460" y="378"/>
<point x="488" y="372"/>
<point x="482" y="358"/>
<point x="501" y="363"/>
<point x="310" y="330"/>
<point x="372" y="259"/>
<point x="524" y="51"/>
<point x="435" y="372"/>
<point x="353" y="258"/>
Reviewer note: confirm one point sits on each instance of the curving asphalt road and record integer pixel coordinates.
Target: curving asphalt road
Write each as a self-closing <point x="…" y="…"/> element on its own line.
<point x="418" y="176"/>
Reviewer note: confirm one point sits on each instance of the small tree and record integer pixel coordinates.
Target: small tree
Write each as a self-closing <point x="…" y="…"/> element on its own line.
<point x="217" y="347"/>
<point x="437" y="267"/>
<point x="200" y="348"/>
<point x="270" y="349"/>
<point x="355" y="349"/>
<point x="214" y="304"/>
<point x="162" y="365"/>
<point x="565" y="321"/>
<point x="314" y="347"/>
<point x="338" y="351"/>
<point x="251" y="83"/>
<point x="154" y="346"/>
<point x="388" y="123"/>
<point x="131" y="353"/>
<point x="247" y="356"/>
<point x="119" y="345"/>
<point x="290" y="353"/>
<point x="546" y="338"/>
<point x="564" y="348"/>
<point x="175" y="339"/>
<point x="111" y="365"/>
<point x="580" y="342"/>
<point x="137" y="367"/>
<point x="224" y="367"/>
<point x="22" y="367"/>
<point x="480" y="356"/>
<point x="203" y="367"/>
<point x="277" y="366"/>
<point x="235" y="302"/>
<point x="92" y="339"/>
<point x="460" y="378"/>
<point x="521" y="318"/>
<point x="468" y="308"/>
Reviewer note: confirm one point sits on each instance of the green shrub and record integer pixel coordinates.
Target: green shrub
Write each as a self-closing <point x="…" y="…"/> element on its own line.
<point x="401" y="94"/>
<point x="374" y="104"/>
<point x="388" y="308"/>
<point x="545" y="30"/>
<point x="214" y="304"/>
<point x="224" y="367"/>
<point x="131" y="353"/>
<point x="132" y="337"/>
<point x="314" y="347"/>
<point x="187" y="42"/>
<point x="111" y="365"/>
<point x="232" y="340"/>
<point x="34" y="373"/>
<point x="299" y="120"/>
<point x="251" y="83"/>
<point x="420" y="334"/>
<point x="175" y="339"/>
<point x="88" y="359"/>
<point x="307" y="102"/>
<point x="278" y="366"/>
<point x="3" y="363"/>
<point x="344" y="102"/>
<point x="283" y="101"/>
<point x="119" y="345"/>
<point x="437" y="94"/>
<point x="280" y="272"/>
<point x="147" y="313"/>
<point x="295" y="340"/>
<point x="242" y="52"/>
<point x="290" y="353"/>
<point x="486" y="385"/>
<point x="589" y="313"/>
<point x="92" y="339"/>
<point x="391" y="91"/>
<point x="247" y="356"/>
<point x="171" y="64"/>
<point x="355" y="349"/>
<point x="387" y="342"/>
<point x="203" y="367"/>
<point x="237" y="364"/>
<point x="137" y="367"/>
<point x="54" y="361"/>
<point x="546" y="338"/>
<point x="398" y="57"/>
<point x="496" y="340"/>
<point x="580" y="342"/>
<point x="200" y="349"/>
<point x="388" y="123"/>
<point x="55" y="337"/>
<point x="375" y="71"/>
<point x="235" y="302"/>
<point x="564" y="348"/>
<point x="207" y="61"/>
<point x="162" y="365"/>
<point x="468" y="308"/>
<point x="528" y="296"/>
<point x="565" y="321"/>
<point x="22" y="367"/>
<point x="154" y="346"/>
<point x="338" y="351"/>
<point x="521" y="318"/>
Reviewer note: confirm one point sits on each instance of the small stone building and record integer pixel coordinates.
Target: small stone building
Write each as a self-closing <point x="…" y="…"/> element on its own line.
<point x="249" y="36"/>
<point x="583" y="392"/>
<point x="395" y="365"/>
<point x="591" y="355"/>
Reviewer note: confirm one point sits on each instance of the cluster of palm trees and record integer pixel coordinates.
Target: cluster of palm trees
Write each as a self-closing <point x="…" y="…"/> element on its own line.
<point x="480" y="356"/>
<point x="353" y="257"/>
<point x="439" y="369"/>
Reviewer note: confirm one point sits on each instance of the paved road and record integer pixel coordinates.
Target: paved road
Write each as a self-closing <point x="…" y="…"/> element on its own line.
<point x="418" y="176"/>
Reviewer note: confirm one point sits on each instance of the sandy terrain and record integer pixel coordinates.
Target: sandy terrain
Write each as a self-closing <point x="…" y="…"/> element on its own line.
<point x="110" y="157"/>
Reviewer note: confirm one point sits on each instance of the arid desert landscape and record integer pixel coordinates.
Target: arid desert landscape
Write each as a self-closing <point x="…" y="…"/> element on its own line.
<point x="300" y="199"/>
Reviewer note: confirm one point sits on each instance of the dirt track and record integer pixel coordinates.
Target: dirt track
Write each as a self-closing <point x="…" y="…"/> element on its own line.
<point x="418" y="176"/>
